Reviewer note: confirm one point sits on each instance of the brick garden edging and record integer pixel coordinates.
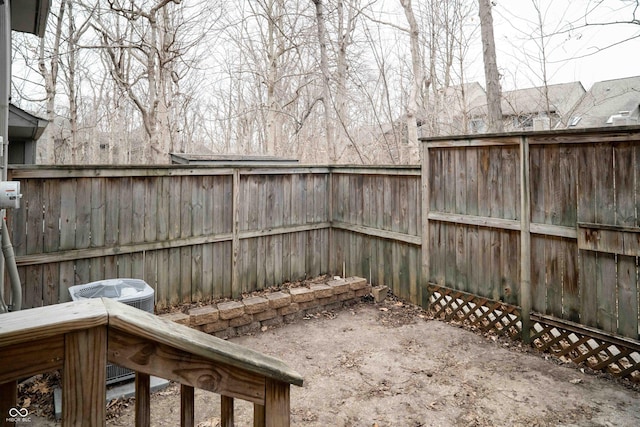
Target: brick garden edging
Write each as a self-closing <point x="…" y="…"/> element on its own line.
<point x="234" y="318"/>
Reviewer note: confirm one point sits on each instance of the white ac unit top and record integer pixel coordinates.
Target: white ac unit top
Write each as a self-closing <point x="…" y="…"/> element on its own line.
<point x="122" y="290"/>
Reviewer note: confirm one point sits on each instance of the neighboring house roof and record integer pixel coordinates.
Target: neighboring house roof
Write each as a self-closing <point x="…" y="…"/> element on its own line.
<point x="462" y="106"/>
<point x="561" y="99"/>
<point x="606" y="99"/>
<point x="462" y="109"/>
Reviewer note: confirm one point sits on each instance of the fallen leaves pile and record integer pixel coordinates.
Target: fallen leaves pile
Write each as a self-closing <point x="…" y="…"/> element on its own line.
<point x="36" y="393"/>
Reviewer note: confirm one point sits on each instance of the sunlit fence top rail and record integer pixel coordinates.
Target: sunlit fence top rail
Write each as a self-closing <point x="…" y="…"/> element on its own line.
<point x="80" y="337"/>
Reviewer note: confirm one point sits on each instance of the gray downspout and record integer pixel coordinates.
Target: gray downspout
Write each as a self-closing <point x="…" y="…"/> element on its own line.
<point x="12" y="268"/>
<point x="5" y="79"/>
<point x="5" y="36"/>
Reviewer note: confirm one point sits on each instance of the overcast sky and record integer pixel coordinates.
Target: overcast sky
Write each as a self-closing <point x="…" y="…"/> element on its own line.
<point x="581" y="54"/>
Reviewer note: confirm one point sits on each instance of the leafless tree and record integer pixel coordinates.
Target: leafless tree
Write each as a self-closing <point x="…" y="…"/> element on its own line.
<point x="492" y="77"/>
<point x="42" y="72"/>
<point x="149" y="47"/>
<point x="414" y="104"/>
<point x="142" y="78"/>
<point x="592" y="17"/>
<point x="337" y="56"/>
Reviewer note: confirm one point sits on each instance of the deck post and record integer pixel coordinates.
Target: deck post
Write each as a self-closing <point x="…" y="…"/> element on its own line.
<point x="143" y="400"/>
<point x="84" y="377"/>
<point x="277" y="406"/>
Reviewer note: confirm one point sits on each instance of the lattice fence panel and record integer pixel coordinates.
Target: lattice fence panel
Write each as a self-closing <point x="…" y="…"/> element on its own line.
<point x="569" y="342"/>
<point x="477" y="312"/>
<point x="590" y="349"/>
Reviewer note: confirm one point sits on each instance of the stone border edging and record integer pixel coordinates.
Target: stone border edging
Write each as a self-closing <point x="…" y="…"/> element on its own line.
<point x="251" y="314"/>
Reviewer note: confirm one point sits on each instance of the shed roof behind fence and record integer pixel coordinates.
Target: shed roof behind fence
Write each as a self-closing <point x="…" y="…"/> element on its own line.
<point x="236" y="159"/>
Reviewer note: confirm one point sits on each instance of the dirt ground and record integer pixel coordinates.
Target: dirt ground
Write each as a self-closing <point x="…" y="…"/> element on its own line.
<point x="390" y="365"/>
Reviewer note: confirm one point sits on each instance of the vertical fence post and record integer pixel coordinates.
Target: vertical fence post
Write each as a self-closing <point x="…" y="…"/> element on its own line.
<point x="423" y="295"/>
<point x="525" y="240"/>
<point x="235" y="243"/>
<point x="332" y="258"/>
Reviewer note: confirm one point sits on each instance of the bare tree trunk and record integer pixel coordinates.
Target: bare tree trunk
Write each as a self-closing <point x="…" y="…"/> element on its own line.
<point x="463" y="90"/>
<point x="274" y="50"/>
<point x="143" y="65"/>
<point x="543" y="54"/>
<point x="326" y="89"/>
<point x="151" y="113"/>
<point x="492" y="77"/>
<point x="418" y="76"/>
<point x="50" y="76"/>
<point x="77" y="151"/>
<point x="346" y="26"/>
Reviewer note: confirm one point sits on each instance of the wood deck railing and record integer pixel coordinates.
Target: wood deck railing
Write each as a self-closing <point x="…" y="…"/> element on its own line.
<point x="81" y="337"/>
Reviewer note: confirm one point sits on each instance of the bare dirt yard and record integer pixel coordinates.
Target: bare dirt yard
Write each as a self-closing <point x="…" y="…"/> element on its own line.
<point x="389" y="364"/>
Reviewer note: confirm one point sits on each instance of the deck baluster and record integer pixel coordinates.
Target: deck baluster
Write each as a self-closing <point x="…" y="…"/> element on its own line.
<point x="143" y="400"/>
<point x="226" y="411"/>
<point x="187" y="416"/>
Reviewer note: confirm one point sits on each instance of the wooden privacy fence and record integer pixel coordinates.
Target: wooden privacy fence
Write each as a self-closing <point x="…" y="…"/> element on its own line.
<point x="190" y="232"/>
<point x="537" y="235"/>
<point x="542" y="220"/>
<point x="197" y="233"/>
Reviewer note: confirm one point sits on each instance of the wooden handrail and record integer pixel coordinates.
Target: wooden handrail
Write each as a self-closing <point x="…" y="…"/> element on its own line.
<point x="81" y="337"/>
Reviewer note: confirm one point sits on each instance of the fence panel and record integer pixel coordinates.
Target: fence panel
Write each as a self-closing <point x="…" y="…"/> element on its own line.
<point x="582" y="221"/>
<point x="175" y="227"/>
<point x="473" y="189"/>
<point x="376" y="217"/>
<point x="607" y="232"/>
<point x="554" y="278"/>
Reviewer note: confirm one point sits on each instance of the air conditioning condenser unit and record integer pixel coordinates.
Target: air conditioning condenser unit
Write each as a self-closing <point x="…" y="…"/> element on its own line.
<point x="134" y="292"/>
